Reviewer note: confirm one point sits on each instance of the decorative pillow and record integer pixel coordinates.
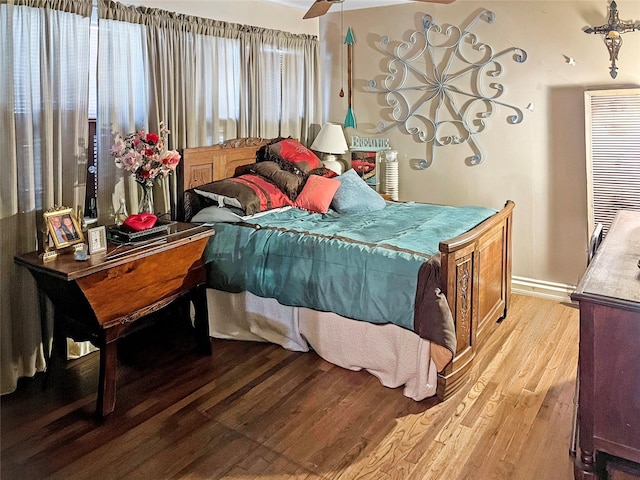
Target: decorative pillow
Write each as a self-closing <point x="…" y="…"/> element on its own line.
<point x="140" y="221"/>
<point x="288" y="182"/>
<point x="251" y="193"/>
<point x="317" y="193"/>
<point x="262" y="155"/>
<point x="214" y="214"/>
<point x="295" y="153"/>
<point x="323" y="172"/>
<point x="355" y="196"/>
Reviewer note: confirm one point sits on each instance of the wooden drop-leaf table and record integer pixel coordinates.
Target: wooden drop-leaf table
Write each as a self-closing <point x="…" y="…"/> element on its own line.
<point x="104" y="296"/>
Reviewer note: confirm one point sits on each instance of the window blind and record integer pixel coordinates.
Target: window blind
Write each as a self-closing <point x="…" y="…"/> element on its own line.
<point x="613" y="153"/>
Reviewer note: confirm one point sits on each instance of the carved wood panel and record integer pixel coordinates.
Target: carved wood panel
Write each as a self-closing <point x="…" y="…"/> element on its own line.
<point x="464" y="287"/>
<point x="199" y="175"/>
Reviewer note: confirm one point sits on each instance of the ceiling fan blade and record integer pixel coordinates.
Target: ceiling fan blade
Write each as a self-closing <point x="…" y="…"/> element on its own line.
<point x="435" y="1"/>
<point x="319" y="8"/>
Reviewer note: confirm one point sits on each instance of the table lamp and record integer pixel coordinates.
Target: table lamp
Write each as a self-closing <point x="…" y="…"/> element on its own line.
<point x="331" y="142"/>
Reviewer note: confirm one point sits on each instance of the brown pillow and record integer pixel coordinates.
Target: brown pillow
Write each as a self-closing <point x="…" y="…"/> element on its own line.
<point x="288" y="182"/>
<point x="250" y="193"/>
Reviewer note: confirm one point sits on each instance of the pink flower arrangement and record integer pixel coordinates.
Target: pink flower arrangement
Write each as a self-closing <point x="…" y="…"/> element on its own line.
<point x="143" y="155"/>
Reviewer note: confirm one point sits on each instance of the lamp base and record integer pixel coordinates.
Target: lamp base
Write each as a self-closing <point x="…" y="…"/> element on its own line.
<point x="332" y="163"/>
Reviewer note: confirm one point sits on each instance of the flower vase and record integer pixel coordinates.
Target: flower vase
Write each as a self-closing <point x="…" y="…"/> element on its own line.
<point x="146" y="203"/>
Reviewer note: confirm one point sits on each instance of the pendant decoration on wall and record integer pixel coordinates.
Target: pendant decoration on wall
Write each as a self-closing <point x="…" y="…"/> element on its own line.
<point x="341" y="94"/>
<point x="350" y="120"/>
<point x="436" y="87"/>
<point x="612" y="32"/>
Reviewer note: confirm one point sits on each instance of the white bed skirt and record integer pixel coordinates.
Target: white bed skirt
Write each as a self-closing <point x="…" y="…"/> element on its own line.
<point x="396" y="356"/>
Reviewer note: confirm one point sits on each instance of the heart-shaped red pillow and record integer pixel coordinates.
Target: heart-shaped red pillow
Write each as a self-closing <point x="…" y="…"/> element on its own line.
<point x="140" y="221"/>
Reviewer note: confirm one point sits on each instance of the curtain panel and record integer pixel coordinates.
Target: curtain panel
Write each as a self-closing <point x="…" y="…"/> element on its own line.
<point x="79" y="7"/>
<point x="44" y="124"/>
<point x="207" y="80"/>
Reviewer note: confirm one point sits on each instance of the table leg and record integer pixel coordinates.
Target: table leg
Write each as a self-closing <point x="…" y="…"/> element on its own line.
<point x="107" y="382"/>
<point x="584" y="467"/>
<point x="44" y="332"/>
<point x="201" y="321"/>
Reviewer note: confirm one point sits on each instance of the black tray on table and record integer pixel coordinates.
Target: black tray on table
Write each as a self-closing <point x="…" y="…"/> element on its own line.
<point x="120" y="234"/>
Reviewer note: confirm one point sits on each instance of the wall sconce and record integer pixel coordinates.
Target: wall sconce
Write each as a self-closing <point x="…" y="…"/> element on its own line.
<point x="612" y="32"/>
<point x="331" y="141"/>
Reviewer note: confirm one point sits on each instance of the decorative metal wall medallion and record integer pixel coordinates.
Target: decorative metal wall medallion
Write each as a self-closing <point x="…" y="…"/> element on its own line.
<point x="440" y="86"/>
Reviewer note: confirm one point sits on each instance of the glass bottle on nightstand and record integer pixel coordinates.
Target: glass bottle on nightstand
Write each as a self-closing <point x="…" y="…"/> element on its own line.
<point x="121" y="214"/>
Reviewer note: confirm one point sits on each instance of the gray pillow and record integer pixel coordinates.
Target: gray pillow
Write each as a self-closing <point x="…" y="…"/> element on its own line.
<point x="214" y="214"/>
<point x="220" y="199"/>
<point x="355" y="196"/>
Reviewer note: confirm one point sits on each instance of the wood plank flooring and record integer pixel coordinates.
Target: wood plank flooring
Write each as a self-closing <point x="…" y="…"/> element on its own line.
<point x="257" y="411"/>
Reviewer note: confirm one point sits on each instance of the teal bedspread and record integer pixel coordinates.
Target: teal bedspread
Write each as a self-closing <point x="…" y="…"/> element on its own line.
<point x="365" y="267"/>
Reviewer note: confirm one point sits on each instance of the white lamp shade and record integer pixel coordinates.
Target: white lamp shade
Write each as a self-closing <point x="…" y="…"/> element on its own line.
<point x="330" y="139"/>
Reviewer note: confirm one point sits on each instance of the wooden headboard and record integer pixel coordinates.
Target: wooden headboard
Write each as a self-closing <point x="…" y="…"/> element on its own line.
<point x="202" y="165"/>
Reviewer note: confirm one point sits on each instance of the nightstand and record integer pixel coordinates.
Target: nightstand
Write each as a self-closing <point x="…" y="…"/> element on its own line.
<point x="103" y="297"/>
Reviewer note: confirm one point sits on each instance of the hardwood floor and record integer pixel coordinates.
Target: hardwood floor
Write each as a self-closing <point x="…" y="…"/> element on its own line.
<point x="256" y="411"/>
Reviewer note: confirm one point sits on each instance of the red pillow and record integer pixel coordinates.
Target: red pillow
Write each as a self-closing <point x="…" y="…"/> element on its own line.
<point x="317" y="193"/>
<point x="294" y="152"/>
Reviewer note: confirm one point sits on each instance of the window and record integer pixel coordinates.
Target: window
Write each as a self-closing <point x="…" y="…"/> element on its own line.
<point x="207" y="84"/>
<point x="613" y="153"/>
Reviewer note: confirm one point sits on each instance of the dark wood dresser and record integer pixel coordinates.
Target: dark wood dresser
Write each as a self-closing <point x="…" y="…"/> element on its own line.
<point x="609" y="398"/>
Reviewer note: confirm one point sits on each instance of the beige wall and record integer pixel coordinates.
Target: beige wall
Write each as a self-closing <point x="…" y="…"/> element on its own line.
<point x="540" y="163"/>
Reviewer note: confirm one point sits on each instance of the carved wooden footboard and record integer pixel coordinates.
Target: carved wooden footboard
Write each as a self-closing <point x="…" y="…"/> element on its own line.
<point x="476" y="279"/>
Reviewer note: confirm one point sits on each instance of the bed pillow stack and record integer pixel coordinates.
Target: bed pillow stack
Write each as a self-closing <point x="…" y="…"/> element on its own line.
<point x="286" y="173"/>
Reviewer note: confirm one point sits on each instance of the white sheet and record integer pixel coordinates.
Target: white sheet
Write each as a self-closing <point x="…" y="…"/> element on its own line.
<point x="397" y="357"/>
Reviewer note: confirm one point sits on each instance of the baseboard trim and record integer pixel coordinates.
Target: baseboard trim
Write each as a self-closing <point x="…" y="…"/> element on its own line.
<point x="539" y="288"/>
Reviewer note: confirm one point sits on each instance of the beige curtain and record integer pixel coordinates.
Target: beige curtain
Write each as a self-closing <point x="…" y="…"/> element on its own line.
<point x="123" y="105"/>
<point x="207" y="80"/>
<point x="44" y="125"/>
<point x="301" y="113"/>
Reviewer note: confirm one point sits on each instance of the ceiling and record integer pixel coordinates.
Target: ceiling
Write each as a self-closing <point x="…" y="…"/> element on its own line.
<point x="304" y="5"/>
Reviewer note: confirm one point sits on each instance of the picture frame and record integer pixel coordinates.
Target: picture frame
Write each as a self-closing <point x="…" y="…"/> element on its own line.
<point x="63" y="227"/>
<point x="366" y="165"/>
<point x="97" y="239"/>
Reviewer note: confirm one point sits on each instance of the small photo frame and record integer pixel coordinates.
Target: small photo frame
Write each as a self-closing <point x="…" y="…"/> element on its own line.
<point x="63" y="227"/>
<point x="97" y="238"/>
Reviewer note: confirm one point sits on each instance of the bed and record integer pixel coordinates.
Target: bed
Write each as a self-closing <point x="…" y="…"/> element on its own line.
<point x="472" y="271"/>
